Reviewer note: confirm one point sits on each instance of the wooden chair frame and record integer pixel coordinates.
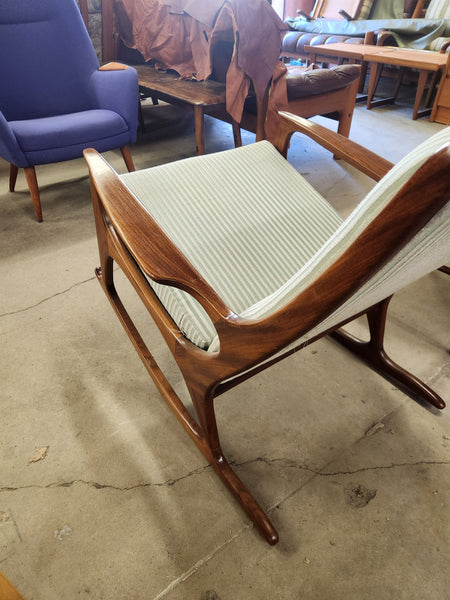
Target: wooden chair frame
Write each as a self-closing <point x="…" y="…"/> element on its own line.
<point x="128" y="236"/>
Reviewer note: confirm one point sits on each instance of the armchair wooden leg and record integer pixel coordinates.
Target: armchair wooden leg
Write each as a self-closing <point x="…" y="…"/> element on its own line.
<point x="210" y="447"/>
<point x="373" y="353"/>
<point x="30" y="175"/>
<point x="237" y="134"/>
<point x="203" y="433"/>
<point x="13" y="170"/>
<point x="127" y="158"/>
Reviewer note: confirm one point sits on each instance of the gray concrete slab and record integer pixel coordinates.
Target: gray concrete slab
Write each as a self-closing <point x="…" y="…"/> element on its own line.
<point x="122" y="505"/>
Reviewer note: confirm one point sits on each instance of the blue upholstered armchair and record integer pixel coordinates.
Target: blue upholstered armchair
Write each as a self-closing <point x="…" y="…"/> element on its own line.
<point x="54" y="100"/>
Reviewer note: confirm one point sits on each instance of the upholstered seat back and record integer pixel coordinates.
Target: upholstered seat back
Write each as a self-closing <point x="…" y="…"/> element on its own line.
<point x="46" y="59"/>
<point x="427" y="250"/>
<point x="438" y="9"/>
<point x="273" y="223"/>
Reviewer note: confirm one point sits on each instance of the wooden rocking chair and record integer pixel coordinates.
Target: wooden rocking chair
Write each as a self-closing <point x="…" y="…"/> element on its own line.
<point x="239" y="261"/>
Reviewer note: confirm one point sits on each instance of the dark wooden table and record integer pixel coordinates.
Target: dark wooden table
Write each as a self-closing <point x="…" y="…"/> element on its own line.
<point x="199" y="96"/>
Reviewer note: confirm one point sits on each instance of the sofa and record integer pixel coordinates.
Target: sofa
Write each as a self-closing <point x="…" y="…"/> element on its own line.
<point x="385" y="24"/>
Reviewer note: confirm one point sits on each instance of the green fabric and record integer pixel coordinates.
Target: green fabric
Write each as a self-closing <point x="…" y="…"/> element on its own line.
<point x="388" y="9"/>
<point x="408" y="33"/>
<point x="365" y="10"/>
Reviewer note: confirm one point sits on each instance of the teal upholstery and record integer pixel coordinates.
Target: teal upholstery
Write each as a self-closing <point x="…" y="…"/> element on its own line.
<point x="261" y="241"/>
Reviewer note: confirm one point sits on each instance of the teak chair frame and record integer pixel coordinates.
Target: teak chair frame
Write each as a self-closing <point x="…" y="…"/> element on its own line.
<point x="129" y="236"/>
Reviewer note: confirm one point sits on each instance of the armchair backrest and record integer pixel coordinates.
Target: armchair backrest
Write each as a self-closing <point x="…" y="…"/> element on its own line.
<point x="427" y="250"/>
<point x="46" y="61"/>
<point x="438" y="9"/>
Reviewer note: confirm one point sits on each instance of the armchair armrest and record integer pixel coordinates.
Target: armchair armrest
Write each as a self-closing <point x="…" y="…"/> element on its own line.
<point x="364" y="160"/>
<point x="117" y="90"/>
<point x="156" y="254"/>
<point x="384" y="37"/>
<point x="113" y="66"/>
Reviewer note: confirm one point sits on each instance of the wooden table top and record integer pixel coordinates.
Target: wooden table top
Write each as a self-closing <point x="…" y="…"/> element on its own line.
<point x="392" y="55"/>
<point x="343" y="49"/>
<point x="168" y="86"/>
<point x="407" y="57"/>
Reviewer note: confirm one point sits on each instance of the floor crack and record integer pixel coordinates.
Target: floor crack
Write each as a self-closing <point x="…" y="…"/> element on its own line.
<point x="170" y="482"/>
<point x="102" y="486"/>
<point x="293" y="464"/>
<point x="21" y="310"/>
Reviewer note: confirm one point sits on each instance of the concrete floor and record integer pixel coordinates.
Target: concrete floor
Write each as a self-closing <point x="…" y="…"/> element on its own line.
<point x="354" y="474"/>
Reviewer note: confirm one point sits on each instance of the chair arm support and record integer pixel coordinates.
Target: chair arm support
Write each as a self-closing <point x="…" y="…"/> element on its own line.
<point x="113" y="89"/>
<point x="155" y="253"/>
<point x="364" y="160"/>
<point x="383" y="36"/>
<point x="113" y="66"/>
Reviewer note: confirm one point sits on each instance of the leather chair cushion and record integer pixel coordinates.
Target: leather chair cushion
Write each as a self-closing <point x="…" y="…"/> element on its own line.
<point x="301" y="83"/>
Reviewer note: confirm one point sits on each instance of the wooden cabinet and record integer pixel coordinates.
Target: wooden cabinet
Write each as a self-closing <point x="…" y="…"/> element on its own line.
<point x="441" y="106"/>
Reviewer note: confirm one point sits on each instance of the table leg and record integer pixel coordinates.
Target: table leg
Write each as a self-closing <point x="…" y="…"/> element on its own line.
<point x="375" y="72"/>
<point x="423" y="76"/>
<point x="362" y="77"/>
<point x="199" y="125"/>
<point x="236" y="134"/>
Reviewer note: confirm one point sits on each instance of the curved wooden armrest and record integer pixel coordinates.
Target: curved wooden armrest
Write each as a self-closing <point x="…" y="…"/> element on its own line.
<point x="113" y="66"/>
<point x="364" y="160"/>
<point x="383" y="36"/>
<point x="154" y="252"/>
<point x="444" y="47"/>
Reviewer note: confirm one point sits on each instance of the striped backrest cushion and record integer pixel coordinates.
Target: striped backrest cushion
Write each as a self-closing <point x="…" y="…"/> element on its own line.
<point x="438" y="9"/>
<point x="437" y="44"/>
<point x="364" y="11"/>
<point x="428" y="250"/>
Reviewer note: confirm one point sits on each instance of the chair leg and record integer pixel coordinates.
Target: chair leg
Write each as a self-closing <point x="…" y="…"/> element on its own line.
<point x="373" y="353"/>
<point x="236" y="134"/>
<point x="203" y="433"/>
<point x="30" y="174"/>
<point x="204" y="407"/>
<point x="13" y="170"/>
<point x="127" y="158"/>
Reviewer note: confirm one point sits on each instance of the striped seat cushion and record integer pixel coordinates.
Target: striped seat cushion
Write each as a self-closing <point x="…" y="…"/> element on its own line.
<point x="244" y="218"/>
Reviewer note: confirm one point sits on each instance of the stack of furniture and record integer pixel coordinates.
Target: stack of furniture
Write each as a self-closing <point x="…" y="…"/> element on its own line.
<point x="382" y="20"/>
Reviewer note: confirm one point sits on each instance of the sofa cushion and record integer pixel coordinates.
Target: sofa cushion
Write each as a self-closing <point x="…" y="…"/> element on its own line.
<point x="67" y="130"/>
<point x="301" y="83"/>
